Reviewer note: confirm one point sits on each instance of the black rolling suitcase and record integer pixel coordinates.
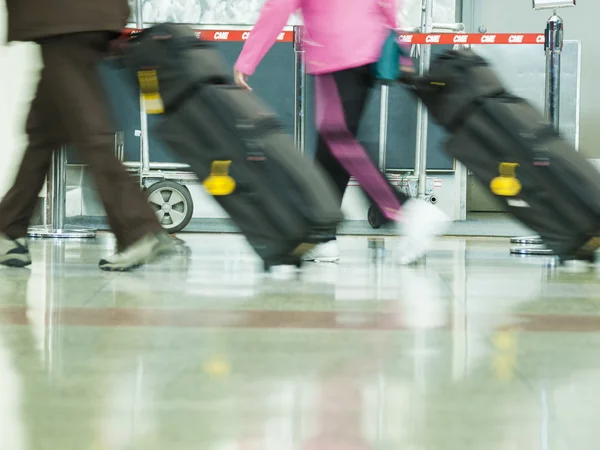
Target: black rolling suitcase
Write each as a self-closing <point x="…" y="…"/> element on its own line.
<point x="280" y="200"/>
<point x="508" y="146"/>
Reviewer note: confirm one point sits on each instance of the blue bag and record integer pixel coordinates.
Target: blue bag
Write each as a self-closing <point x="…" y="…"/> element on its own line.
<point x="387" y="68"/>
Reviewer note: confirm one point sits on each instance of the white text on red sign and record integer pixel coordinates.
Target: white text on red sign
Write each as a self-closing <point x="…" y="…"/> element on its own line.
<point x="488" y="39"/>
<point x="472" y="39"/>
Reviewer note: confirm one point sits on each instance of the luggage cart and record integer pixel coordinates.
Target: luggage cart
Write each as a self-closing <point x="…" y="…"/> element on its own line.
<point x="165" y="184"/>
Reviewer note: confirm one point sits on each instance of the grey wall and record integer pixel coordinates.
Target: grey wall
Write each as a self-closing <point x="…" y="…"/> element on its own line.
<point x="580" y="24"/>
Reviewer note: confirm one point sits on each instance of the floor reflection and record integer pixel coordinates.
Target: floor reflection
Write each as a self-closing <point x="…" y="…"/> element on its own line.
<point x="469" y="350"/>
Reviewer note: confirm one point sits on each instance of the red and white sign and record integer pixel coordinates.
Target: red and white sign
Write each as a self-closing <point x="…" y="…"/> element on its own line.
<point x="473" y="39"/>
<point x="432" y="38"/>
<point x="225" y="35"/>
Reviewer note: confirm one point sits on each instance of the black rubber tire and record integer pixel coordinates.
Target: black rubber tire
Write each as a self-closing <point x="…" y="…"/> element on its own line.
<point x="375" y="217"/>
<point x="185" y="206"/>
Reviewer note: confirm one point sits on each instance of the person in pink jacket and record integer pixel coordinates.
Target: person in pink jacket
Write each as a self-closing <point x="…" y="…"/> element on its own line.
<point x="342" y="39"/>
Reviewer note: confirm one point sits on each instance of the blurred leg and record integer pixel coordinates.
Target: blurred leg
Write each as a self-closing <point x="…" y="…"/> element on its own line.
<point x="71" y="64"/>
<point x="17" y="207"/>
<point x="341" y="99"/>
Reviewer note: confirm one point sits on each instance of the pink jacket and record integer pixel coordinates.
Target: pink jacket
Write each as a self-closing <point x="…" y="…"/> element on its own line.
<point x="338" y="35"/>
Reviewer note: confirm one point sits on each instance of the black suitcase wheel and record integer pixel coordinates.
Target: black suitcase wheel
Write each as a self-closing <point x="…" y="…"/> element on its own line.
<point x="589" y="257"/>
<point x="375" y="217"/>
<point x="172" y="203"/>
<point x="267" y="266"/>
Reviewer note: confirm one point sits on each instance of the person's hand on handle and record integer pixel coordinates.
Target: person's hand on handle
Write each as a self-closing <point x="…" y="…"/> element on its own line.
<point x="407" y="68"/>
<point x="241" y="79"/>
<point x="407" y="65"/>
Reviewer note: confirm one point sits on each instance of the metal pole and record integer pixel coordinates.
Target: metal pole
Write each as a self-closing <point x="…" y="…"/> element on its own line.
<point x="144" y="145"/>
<point x="57" y="198"/>
<point x="300" y="91"/>
<point x="375" y="217"/>
<point x="120" y="145"/>
<point x="553" y="47"/>
<point x="58" y="202"/>
<point x="383" y="126"/>
<point x="422" y="115"/>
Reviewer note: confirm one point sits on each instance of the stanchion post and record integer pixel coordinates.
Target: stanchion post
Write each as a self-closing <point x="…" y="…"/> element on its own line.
<point x="57" y="199"/>
<point x="553" y="47"/>
<point x="299" y="91"/>
<point x="422" y="115"/>
<point x="144" y="144"/>
<point x="383" y="125"/>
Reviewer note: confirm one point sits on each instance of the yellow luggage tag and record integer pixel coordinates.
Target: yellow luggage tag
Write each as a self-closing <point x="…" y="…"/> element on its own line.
<point x="153" y="103"/>
<point x="507" y="184"/>
<point x="219" y="182"/>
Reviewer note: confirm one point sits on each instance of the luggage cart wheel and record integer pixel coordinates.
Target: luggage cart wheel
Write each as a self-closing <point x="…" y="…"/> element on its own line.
<point x="172" y="203"/>
<point x="375" y="217"/>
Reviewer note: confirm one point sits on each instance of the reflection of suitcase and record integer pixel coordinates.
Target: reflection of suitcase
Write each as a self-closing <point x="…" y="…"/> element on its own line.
<point x="508" y="146"/>
<point x="281" y="202"/>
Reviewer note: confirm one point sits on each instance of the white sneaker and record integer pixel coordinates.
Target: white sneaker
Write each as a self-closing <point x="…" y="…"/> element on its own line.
<point x="421" y="224"/>
<point x="144" y="250"/>
<point x="327" y="252"/>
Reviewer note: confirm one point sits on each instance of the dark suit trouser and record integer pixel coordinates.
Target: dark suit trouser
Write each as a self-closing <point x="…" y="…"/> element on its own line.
<point x="70" y="108"/>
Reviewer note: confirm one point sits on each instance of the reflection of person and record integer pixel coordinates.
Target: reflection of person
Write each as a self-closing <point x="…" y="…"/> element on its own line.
<point x="342" y="40"/>
<point x="38" y="403"/>
<point x="70" y="108"/>
<point x="340" y="412"/>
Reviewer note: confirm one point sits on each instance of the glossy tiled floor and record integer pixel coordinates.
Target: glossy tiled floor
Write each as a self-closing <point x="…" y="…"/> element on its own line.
<point x="473" y="350"/>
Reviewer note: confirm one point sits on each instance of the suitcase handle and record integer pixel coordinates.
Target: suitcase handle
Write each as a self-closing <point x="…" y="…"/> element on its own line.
<point x="420" y="83"/>
<point x="176" y="42"/>
<point x="191" y="42"/>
